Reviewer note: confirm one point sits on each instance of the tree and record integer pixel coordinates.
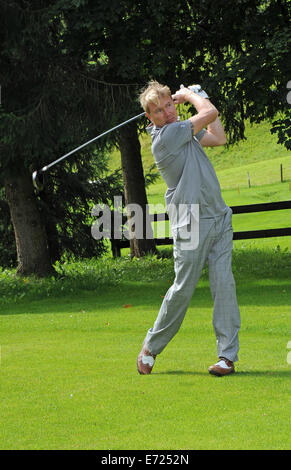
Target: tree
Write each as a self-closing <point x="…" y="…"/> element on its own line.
<point x="47" y="107"/>
<point x="120" y="38"/>
<point x="53" y="54"/>
<point x="21" y="105"/>
<point x="242" y="58"/>
<point x="7" y="242"/>
<point x="237" y="50"/>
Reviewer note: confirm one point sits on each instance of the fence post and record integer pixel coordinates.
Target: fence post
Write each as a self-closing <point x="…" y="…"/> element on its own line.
<point x="281" y="171"/>
<point x="249" y="181"/>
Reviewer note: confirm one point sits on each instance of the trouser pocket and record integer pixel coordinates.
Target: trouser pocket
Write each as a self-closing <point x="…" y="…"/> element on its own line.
<point x="187" y="236"/>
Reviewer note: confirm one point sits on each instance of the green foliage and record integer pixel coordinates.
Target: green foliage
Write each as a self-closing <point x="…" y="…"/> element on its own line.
<point x="49" y="107"/>
<point x="75" y="277"/>
<point x="69" y="70"/>
<point x="7" y="241"/>
<point x="66" y="204"/>
<point x="239" y="51"/>
<point x="243" y="59"/>
<point x="282" y="127"/>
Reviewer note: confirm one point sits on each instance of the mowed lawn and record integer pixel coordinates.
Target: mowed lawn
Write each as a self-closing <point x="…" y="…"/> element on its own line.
<point x="68" y="362"/>
<point x="69" y="343"/>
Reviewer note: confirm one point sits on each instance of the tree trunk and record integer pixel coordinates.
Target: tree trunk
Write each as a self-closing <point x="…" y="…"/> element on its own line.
<point x="134" y="189"/>
<point x="31" y="240"/>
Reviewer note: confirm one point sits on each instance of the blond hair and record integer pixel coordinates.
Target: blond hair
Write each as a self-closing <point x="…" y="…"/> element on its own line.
<point x="152" y="93"/>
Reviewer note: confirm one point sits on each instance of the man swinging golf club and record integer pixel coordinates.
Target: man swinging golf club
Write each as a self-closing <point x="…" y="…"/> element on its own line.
<point x="191" y="181"/>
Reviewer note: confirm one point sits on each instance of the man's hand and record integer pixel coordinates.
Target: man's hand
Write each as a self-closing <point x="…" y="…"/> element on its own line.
<point x="197" y="89"/>
<point x="207" y="115"/>
<point x="182" y="96"/>
<point x="206" y="111"/>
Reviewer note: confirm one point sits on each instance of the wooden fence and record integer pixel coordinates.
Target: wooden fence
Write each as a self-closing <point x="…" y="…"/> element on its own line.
<point x="242" y="235"/>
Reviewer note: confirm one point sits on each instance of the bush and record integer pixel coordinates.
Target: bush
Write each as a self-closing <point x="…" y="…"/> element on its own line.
<point x="101" y="273"/>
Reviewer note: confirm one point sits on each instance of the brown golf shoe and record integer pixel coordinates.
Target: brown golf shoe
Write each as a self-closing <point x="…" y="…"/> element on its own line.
<point x="145" y="361"/>
<point x="222" y="367"/>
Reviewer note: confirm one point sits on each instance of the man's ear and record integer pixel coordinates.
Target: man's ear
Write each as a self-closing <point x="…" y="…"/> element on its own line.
<point x="148" y="116"/>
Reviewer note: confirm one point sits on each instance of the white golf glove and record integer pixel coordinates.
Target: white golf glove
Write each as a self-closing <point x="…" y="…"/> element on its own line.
<point x="197" y="89"/>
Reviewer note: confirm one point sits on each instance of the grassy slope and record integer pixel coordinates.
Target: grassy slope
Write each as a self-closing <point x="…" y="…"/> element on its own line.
<point x="260" y="156"/>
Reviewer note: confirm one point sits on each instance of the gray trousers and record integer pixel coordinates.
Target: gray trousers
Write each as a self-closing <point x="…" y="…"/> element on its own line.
<point x="215" y="247"/>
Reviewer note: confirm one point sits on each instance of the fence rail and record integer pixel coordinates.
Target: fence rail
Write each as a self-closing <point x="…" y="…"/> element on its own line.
<point x="242" y="235"/>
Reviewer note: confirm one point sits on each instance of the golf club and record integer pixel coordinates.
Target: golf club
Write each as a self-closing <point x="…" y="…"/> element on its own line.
<point x="38" y="176"/>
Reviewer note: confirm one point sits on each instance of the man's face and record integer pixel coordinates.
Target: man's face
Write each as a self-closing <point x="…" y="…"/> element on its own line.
<point x="164" y="113"/>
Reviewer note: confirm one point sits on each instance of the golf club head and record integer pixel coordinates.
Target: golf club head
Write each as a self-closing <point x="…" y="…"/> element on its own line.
<point x="38" y="180"/>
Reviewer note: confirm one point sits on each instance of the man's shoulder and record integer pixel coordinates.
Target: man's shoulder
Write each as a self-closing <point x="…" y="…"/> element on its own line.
<point x="170" y="130"/>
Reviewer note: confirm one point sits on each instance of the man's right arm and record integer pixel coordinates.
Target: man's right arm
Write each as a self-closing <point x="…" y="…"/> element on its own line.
<point x="214" y="135"/>
<point x="206" y="111"/>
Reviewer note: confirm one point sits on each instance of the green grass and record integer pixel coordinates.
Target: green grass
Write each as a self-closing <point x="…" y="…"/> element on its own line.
<point x="241" y="222"/>
<point x="261" y="157"/>
<point x="68" y="360"/>
<point x="69" y="343"/>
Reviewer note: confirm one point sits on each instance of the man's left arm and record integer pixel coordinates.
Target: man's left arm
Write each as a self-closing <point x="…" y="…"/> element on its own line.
<point x="214" y="135"/>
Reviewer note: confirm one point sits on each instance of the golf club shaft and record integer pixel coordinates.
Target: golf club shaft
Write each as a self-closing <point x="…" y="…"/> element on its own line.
<point x="45" y="168"/>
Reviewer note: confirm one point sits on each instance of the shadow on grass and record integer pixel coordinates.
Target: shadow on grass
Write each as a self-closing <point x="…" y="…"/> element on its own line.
<point x="238" y="374"/>
<point x="178" y="372"/>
